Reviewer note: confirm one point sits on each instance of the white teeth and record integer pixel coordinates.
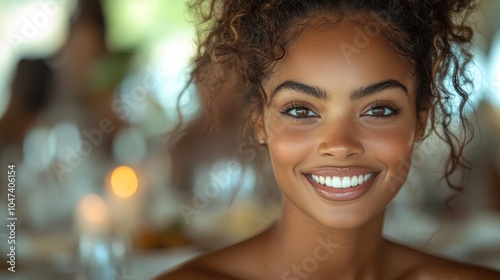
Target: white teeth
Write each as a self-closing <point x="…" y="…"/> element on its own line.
<point x="354" y="181"/>
<point x="328" y="181"/>
<point x="341" y="182"/>
<point x="336" y="182"/>
<point x="346" y="182"/>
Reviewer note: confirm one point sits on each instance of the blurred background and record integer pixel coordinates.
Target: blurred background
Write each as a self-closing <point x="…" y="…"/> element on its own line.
<point x="88" y="90"/>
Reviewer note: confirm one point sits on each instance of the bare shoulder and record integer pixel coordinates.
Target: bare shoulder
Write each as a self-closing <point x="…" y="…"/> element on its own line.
<point x="420" y="265"/>
<point x="438" y="268"/>
<point x="213" y="265"/>
<point x="452" y="270"/>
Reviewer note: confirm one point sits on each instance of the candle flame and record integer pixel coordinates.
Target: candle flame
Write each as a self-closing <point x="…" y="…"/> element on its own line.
<point x="124" y="181"/>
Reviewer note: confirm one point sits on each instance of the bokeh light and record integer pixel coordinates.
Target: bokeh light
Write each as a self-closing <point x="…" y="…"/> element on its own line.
<point x="124" y="181"/>
<point x="93" y="209"/>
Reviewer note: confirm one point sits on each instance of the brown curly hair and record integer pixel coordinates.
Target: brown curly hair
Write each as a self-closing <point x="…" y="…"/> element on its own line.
<point x="239" y="41"/>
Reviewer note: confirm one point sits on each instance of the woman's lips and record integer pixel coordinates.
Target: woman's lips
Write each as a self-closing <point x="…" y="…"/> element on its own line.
<point x="342" y="188"/>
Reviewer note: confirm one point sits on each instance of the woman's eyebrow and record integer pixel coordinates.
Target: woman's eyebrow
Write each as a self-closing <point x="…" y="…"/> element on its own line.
<point x="377" y="87"/>
<point x="357" y="94"/>
<point x="300" y="87"/>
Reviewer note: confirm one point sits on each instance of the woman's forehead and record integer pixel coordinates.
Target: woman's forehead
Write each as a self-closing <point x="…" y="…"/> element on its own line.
<point x="348" y="51"/>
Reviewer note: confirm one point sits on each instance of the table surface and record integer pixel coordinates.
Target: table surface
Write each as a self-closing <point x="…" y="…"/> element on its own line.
<point x="142" y="266"/>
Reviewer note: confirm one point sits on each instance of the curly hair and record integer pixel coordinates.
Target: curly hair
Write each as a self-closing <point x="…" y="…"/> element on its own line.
<point x="239" y="41"/>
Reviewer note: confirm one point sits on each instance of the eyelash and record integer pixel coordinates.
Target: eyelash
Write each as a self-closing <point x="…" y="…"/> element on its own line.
<point x="304" y="106"/>
<point x="298" y="106"/>
<point x="383" y="105"/>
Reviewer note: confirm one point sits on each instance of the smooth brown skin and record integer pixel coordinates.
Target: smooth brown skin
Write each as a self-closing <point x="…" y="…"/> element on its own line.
<point x="316" y="238"/>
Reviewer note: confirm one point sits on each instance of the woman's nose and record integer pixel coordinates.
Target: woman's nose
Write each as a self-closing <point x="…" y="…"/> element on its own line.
<point x="340" y="140"/>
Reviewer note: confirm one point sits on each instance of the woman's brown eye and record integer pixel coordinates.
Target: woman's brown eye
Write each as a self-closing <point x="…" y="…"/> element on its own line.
<point x="301" y="113"/>
<point x="378" y="112"/>
<point x="381" y="112"/>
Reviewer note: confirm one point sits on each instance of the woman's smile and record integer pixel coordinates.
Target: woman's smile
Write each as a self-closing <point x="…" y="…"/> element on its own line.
<point x="337" y="188"/>
<point x="338" y="182"/>
<point x="341" y="183"/>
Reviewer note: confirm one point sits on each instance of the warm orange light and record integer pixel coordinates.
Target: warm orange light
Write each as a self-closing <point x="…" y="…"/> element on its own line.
<point x="124" y="181"/>
<point x="93" y="209"/>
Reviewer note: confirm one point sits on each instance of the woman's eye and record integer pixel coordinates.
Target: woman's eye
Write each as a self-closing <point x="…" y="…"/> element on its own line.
<point x="301" y="113"/>
<point x="380" y="112"/>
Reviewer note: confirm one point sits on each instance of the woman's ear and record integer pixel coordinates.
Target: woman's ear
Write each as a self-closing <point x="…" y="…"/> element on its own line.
<point x="259" y="130"/>
<point x="422" y="117"/>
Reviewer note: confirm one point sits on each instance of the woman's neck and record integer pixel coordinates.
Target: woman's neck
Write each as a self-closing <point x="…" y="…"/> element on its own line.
<point x="302" y="248"/>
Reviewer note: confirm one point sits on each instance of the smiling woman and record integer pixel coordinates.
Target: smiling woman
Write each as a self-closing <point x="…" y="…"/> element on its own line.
<point x="343" y="119"/>
<point x="338" y="93"/>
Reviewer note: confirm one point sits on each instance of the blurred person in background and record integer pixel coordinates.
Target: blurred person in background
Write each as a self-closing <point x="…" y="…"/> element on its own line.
<point x="31" y="90"/>
<point x="56" y="88"/>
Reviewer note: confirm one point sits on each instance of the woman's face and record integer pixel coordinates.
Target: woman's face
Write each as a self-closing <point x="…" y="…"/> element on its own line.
<point x="340" y="123"/>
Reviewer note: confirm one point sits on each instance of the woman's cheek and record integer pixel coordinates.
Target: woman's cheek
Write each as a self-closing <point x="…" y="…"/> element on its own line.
<point x="394" y="149"/>
<point x="289" y="145"/>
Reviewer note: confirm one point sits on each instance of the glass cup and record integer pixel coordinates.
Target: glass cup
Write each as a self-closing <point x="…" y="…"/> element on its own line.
<point x="103" y="257"/>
